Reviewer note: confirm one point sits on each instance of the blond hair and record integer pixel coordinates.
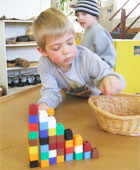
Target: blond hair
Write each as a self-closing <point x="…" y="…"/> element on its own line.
<point x="51" y="23"/>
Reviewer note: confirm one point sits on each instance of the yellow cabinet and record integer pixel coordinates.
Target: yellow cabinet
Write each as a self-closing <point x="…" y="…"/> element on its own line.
<point x="128" y="63"/>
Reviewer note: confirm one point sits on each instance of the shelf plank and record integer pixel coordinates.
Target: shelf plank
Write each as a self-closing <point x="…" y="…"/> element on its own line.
<point x="20" y="68"/>
<point x="22" y="44"/>
<point x="18" y="21"/>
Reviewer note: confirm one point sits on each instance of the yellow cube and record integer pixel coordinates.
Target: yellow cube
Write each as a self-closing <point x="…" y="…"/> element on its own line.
<point x="52" y="131"/>
<point x="33" y="149"/>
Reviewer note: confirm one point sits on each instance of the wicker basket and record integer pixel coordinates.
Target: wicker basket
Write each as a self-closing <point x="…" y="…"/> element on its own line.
<point x="118" y="114"/>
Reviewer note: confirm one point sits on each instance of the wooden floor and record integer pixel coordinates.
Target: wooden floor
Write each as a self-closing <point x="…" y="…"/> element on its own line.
<point x="116" y="152"/>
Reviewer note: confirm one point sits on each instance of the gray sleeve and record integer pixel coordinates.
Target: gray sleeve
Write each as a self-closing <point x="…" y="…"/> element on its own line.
<point x="98" y="69"/>
<point x="105" y="48"/>
<point x="50" y="92"/>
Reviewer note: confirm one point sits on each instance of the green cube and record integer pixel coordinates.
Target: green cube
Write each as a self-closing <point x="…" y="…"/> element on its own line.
<point x="44" y="156"/>
<point x="78" y="156"/>
<point x="59" y="129"/>
<point x="33" y="135"/>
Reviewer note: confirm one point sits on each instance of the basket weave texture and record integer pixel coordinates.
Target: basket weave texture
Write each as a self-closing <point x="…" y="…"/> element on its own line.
<point x="118" y="114"/>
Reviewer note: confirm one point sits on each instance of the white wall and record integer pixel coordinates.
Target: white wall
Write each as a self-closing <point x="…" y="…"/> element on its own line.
<point x="23" y="9"/>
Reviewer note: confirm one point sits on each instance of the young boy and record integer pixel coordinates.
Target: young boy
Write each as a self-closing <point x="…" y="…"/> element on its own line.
<point x="63" y="65"/>
<point x="95" y="37"/>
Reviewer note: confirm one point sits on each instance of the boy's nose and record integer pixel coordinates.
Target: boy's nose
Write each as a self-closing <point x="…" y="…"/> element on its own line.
<point x="65" y="50"/>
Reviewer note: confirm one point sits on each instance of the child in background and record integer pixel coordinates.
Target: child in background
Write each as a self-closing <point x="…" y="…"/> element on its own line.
<point x="63" y="65"/>
<point x="96" y="37"/>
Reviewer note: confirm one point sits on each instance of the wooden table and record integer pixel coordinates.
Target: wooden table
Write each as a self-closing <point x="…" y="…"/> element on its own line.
<point x="116" y="152"/>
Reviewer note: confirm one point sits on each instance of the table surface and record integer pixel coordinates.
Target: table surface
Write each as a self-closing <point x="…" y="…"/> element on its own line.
<point x="116" y="152"/>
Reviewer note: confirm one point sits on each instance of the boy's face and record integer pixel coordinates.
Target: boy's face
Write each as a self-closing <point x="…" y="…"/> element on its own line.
<point x="86" y="20"/>
<point x="61" y="51"/>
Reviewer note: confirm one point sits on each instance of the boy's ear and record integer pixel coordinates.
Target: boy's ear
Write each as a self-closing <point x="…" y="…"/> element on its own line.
<point x="44" y="53"/>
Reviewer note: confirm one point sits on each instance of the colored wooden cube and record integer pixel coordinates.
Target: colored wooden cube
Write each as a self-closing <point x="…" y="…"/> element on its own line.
<point x="78" y="149"/>
<point x="77" y="140"/>
<point x="33" y="135"/>
<point x="52" y="139"/>
<point x="78" y="156"/>
<point x="44" y="156"/>
<point x="52" y="131"/>
<point x="44" y="148"/>
<point x="60" y="152"/>
<point x="33" y="149"/>
<point x="60" y="138"/>
<point x="87" y="155"/>
<point x="95" y="153"/>
<point x="33" y="157"/>
<point x="34" y="164"/>
<point x="43" y="116"/>
<point x="43" y="133"/>
<point x="33" y="109"/>
<point x="69" y="150"/>
<point x="33" y="119"/>
<point x="69" y="157"/>
<point x="60" y="145"/>
<point x="32" y="142"/>
<point x="68" y="143"/>
<point x="68" y="134"/>
<point x="59" y="129"/>
<point x="52" y="146"/>
<point x="87" y="146"/>
<point x="50" y="111"/>
<point x="33" y="127"/>
<point x="60" y="159"/>
<point x="43" y="125"/>
<point x="51" y="122"/>
<point x="52" y="161"/>
<point x="43" y="141"/>
<point x="44" y="163"/>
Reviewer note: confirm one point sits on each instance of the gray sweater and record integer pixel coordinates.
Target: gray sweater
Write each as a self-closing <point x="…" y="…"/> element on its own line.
<point x="86" y="72"/>
<point x="99" y="40"/>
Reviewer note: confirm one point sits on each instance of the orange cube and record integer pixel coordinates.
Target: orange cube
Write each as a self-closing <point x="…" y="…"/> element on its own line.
<point x="60" y="159"/>
<point x="77" y="140"/>
<point x="50" y="111"/>
<point x="68" y="143"/>
<point x="44" y="163"/>
<point x="33" y="157"/>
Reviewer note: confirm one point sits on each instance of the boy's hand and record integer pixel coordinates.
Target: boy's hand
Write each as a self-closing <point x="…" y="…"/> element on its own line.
<point x="110" y="85"/>
<point x="43" y="106"/>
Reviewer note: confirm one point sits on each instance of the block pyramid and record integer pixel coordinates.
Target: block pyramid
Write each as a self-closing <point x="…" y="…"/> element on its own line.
<point x="49" y="143"/>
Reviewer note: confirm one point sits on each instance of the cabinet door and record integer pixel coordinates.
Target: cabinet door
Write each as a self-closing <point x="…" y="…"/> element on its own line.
<point x="128" y="64"/>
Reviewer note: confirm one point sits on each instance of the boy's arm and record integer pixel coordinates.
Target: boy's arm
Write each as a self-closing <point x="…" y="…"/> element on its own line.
<point x="108" y="81"/>
<point x="50" y="91"/>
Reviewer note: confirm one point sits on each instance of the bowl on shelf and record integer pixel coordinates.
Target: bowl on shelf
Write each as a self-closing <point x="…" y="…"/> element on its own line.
<point x="118" y="114"/>
<point x="11" y="63"/>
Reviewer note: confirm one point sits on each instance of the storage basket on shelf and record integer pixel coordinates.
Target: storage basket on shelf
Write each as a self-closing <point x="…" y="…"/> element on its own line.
<point x="118" y="114"/>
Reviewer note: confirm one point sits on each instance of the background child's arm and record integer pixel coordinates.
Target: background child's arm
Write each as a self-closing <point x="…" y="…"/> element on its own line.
<point x="110" y="85"/>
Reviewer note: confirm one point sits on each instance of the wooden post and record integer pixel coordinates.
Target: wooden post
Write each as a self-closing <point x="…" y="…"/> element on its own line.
<point x="123" y="19"/>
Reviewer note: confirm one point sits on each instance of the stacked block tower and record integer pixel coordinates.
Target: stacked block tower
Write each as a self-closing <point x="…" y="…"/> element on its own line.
<point x="68" y="145"/>
<point x="33" y="135"/>
<point x="56" y="144"/>
<point x="43" y="139"/>
<point x="60" y="142"/>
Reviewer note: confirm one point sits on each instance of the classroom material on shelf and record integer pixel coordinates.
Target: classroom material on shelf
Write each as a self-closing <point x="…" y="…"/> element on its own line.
<point x="13" y="46"/>
<point x="56" y="144"/>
